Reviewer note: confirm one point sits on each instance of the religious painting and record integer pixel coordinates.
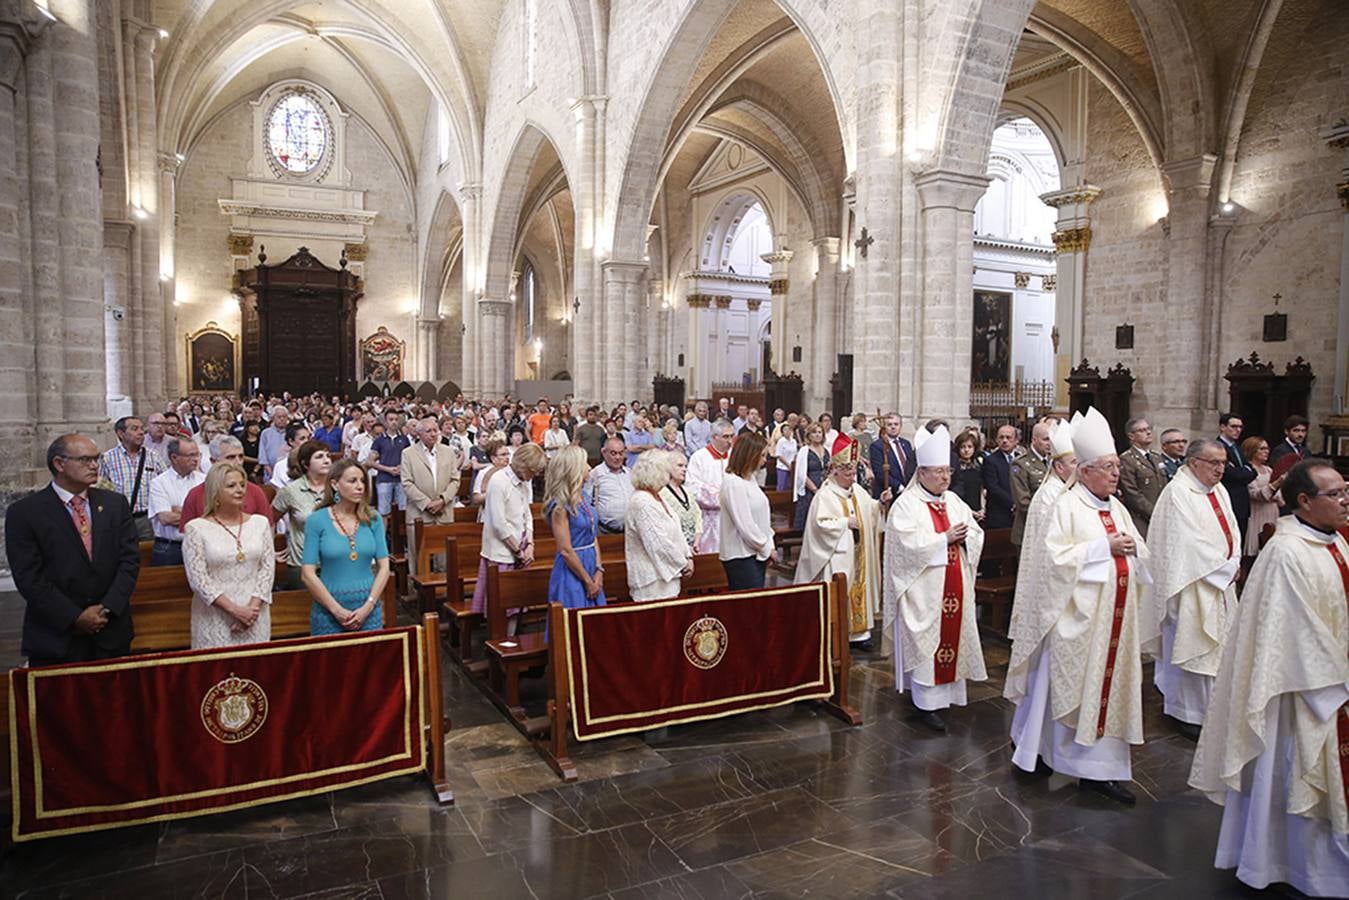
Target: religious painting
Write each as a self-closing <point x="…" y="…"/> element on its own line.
<point x="991" y="357"/>
<point x="382" y="357"/>
<point x="1124" y="337"/>
<point x="1276" y="327"/>
<point x="211" y="360"/>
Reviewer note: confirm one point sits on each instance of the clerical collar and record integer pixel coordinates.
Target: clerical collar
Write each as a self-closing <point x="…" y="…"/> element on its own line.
<point x="1195" y="483"/>
<point x="715" y="455"/>
<point x="1091" y="498"/>
<point x="1319" y="533"/>
<point x="928" y="495"/>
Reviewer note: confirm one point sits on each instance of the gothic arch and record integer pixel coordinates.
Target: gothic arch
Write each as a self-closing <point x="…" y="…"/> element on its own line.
<point x="723" y="222"/>
<point x="439" y="253"/>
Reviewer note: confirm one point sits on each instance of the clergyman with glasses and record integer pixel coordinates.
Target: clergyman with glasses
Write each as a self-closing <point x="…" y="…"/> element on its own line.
<point x="74" y="554"/>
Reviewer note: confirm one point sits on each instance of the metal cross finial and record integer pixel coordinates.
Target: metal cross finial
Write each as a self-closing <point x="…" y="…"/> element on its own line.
<point x="863" y="242"/>
<point x="1277" y="298"/>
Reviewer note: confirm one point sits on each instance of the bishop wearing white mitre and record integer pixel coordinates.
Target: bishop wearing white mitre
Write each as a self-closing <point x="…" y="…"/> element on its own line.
<point x="843" y="534"/>
<point x="1275" y="746"/>
<point x="1094" y="574"/>
<point x="932" y="547"/>
<point x="1196" y="554"/>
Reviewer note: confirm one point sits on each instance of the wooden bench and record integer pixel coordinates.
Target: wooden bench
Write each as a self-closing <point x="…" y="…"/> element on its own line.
<point x="996" y="591"/>
<point x="509" y="656"/>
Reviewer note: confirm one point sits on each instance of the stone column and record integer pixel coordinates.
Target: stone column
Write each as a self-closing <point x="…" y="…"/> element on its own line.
<point x="619" y="344"/>
<point x="587" y="195"/>
<point x="946" y="318"/>
<point x="717" y="370"/>
<point x="1337" y="136"/>
<point x="492" y="348"/>
<point x="778" y="283"/>
<point x="1180" y="389"/>
<point x="470" y="196"/>
<point x="822" y="345"/>
<point x="175" y="381"/>
<point x="1072" y="237"/>
<point x="428" y="331"/>
<point x="697" y="358"/>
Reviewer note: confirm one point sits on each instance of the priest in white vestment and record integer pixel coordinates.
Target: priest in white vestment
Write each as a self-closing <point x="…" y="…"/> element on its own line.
<point x="706" y="469"/>
<point x="1034" y="612"/>
<point x="1274" y="751"/>
<point x="1196" y="553"/>
<point x="843" y="534"/>
<point x="932" y="547"/>
<point x="1091" y="710"/>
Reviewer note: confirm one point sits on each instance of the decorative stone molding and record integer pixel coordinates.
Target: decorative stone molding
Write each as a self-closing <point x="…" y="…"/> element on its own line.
<point x="357" y="252"/>
<point x="361" y="217"/>
<point x="1082" y="194"/>
<point x="1022" y="279"/>
<point x="1072" y="240"/>
<point x="1048" y="283"/>
<point x="950" y="189"/>
<point x="240" y="244"/>
<point x="494" y="308"/>
<point x="698" y="301"/>
<point x="778" y="286"/>
<point x="722" y="302"/>
<point x="754" y="303"/>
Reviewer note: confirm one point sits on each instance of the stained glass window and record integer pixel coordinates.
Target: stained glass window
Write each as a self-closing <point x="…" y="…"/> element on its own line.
<point x="297" y="133"/>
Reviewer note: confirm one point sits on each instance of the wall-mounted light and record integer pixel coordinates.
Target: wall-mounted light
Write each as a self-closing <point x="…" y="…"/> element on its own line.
<point x="163" y="34"/>
<point x="139" y="213"/>
<point x="1229" y="206"/>
<point x="181" y="157"/>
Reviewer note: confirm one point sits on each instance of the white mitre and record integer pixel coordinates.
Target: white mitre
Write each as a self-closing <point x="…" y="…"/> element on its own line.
<point x="1061" y="438"/>
<point x="933" y="449"/>
<point x="1092" y="438"/>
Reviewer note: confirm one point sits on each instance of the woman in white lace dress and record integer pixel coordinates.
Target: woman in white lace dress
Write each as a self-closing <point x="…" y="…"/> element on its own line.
<point x="230" y="565"/>
<point x="653" y="541"/>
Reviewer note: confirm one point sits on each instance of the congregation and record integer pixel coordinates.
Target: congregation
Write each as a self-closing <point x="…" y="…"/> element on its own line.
<point x="1122" y="556"/>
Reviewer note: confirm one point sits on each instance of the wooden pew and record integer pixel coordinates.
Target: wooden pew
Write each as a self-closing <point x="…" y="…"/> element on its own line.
<point x="527" y="589"/>
<point x="996" y="591"/>
<point x="146" y="548"/>
<point x="462" y="555"/>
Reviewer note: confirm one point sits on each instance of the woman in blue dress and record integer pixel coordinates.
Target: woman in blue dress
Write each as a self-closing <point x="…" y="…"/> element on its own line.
<point x="578" y="577"/>
<point x="346" y="558"/>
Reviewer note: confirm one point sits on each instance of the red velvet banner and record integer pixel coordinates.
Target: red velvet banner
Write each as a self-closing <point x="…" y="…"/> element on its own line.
<point x="643" y="665"/>
<point x="163" y="736"/>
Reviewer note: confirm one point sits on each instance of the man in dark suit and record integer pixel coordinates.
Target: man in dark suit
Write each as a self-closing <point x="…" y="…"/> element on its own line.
<point x="1294" y="441"/>
<point x="895" y="452"/>
<point x="998" y="480"/>
<point x="75" y="557"/>
<point x="1238" y="473"/>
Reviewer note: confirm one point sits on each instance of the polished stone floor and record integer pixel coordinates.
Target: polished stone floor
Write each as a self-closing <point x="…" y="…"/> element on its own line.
<point x="782" y="803"/>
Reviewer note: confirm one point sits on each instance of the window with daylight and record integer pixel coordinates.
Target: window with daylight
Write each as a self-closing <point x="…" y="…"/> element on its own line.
<point x="442" y="134"/>
<point x="297" y="133"/>
<point x="531" y="41"/>
<point x="527" y="300"/>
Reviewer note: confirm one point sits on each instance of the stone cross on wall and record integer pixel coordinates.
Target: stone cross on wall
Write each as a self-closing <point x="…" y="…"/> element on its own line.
<point x="863" y="242"/>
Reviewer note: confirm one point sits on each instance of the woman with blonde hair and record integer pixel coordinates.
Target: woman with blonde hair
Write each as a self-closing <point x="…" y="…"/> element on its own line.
<point x="346" y="557"/>
<point x="230" y="564"/>
<point x="655" y="548"/>
<point x="578" y="578"/>
<point x="507" y="523"/>
<point x="746" y="524"/>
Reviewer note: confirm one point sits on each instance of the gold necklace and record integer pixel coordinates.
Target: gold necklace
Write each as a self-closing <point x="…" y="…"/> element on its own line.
<point x="238" y="538"/>
<point x="351" y="538"/>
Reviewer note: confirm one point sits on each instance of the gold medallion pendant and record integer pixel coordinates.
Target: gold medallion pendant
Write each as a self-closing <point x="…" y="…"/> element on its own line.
<point x="353" y="557"/>
<point x="239" y="556"/>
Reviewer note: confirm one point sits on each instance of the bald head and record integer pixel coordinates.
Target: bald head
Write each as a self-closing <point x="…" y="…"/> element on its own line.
<point x="1039" y="438"/>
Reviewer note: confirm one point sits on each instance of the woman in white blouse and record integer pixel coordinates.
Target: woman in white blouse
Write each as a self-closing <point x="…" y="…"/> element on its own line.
<point x="508" y="523"/>
<point x="653" y="541"/>
<point x="555" y="438"/>
<point x="230" y="564"/>
<point x="746" y="525"/>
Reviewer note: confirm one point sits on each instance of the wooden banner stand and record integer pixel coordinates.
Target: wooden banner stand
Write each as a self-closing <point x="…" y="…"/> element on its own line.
<point x="552" y="743"/>
<point x="437" y="723"/>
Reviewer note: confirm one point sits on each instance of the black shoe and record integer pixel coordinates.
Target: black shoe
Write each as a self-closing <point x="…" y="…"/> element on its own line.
<point x="1112" y="789"/>
<point x="932" y="720"/>
<point x="1042" y="769"/>
<point x="1187" y="730"/>
<point x="867" y="646"/>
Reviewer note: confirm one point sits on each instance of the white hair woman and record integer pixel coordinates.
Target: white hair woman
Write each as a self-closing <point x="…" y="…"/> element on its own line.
<point x="230" y="564"/>
<point x="507" y="523"/>
<point x="680" y="501"/>
<point x="657" y="553"/>
<point x="578" y="578"/>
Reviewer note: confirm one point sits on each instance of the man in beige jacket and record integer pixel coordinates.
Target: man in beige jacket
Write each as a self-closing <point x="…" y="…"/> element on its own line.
<point x="429" y="472"/>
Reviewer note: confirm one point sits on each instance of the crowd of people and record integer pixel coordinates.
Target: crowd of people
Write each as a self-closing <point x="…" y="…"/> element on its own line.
<point x="1122" y="556"/>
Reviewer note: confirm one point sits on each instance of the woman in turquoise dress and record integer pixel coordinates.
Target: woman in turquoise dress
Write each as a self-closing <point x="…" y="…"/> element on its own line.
<point x="346" y="558"/>
<point x="578" y="578"/>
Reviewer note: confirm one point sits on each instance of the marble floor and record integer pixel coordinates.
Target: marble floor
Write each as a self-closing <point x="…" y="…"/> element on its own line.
<point x="782" y="803"/>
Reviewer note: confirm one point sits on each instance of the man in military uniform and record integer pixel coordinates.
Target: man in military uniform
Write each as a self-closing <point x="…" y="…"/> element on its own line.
<point x="1142" y="474"/>
<point x="1028" y="472"/>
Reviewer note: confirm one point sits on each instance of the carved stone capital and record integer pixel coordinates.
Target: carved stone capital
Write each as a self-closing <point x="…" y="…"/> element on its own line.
<point x="1049" y="283"/>
<point x="240" y="244"/>
<point x="698" y="301"/>
<point x="1022" y="279"/>
<point x="722" y="302"/>
<point x="778" y="286"/>
<point x="1072" y="240"/>
<point x="496" y="309"/>
<point x="357" y="252"/>
<point x="754" y="303"/>
<point x="1082" y="194"/>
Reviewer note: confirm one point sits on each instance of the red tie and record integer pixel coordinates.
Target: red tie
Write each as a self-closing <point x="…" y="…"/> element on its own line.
<point x="77" y="506"/>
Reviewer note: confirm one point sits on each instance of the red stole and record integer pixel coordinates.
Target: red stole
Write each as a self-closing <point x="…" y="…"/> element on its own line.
<point x="1342" y="717"/>
<point x="1121" y="594"/>
<point x="952" y="602"/>
<point x="1222" y="520"/>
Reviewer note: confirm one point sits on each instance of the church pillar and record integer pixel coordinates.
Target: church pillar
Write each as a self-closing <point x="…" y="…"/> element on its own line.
<point x="492" y="348"/>
<point x="1337" y="136"/>
<point x="778" y="283"/>
<point x="946" y="317"/>
<point x="1072" y="237"/>
<point x="469" y="268"/>
<point x="428" y="331"/>
<point x="874" y="329"/>
<point x="117" y="243"/>
<point x="20" y="27"/>
<point x="698" y="382"/>
<point x="824" y="318"/>
<point x="586" y="319"/>
<point x="722" y="347"/>
<point x="619" y="347"/>
<point x="1181" y="390"/>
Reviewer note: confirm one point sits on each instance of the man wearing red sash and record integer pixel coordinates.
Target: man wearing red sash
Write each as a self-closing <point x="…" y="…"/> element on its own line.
<point x="1275" y="747"/>
<point x="1196" y="553"/>
<point x="932" y="547"/>
<point x="1095" y="574"/>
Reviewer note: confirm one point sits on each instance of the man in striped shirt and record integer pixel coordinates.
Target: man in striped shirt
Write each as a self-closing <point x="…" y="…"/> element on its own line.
<point x="119" y="465"/>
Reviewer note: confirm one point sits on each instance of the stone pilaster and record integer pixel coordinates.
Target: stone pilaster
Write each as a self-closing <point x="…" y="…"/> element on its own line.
<point x="470" y="208"/>
<point x="1181" y="391"/>
<point x="620" y="347"/>
<point x="822" y="346"/>
<point x="778" y="284"/>
<point x="698" y="381"/>
<point x="1337" y="136"/>
<point x="494" y="348"/>
<point x="588" y="199"/>
<point x="946" y="318"/>
<point x="428" y="333"/>
<point x="1072" y="237"/>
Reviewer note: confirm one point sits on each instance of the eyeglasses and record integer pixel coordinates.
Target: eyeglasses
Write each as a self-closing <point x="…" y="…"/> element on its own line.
<point x="1339" y="494"/>
<point x="1210" y="462"/>
<point x="1104" y="467"/>
<point x="87" y="460"/>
